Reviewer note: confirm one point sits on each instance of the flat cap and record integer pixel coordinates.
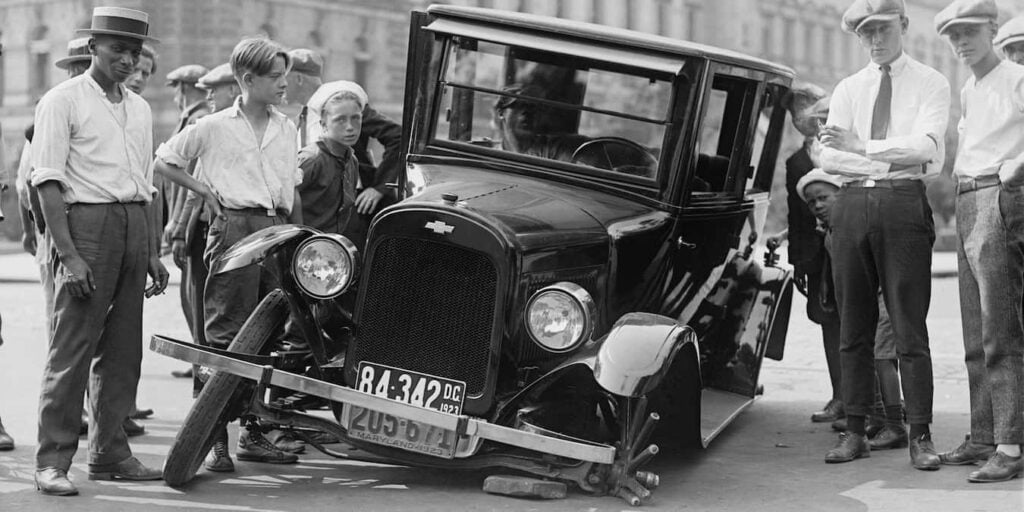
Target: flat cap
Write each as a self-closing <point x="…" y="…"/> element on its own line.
<point x="78" y="51"/>
<point x="963" y="12"/>
<point x="863" y="11"/>
<point x="187" y="74"/>
<point x="220" y="75"/>
<point x="801" y="95"/>
<point x="816" y="176"/>
<point x="325" y="92"/>
<point x="307" y="62"/>
<point x="1011" y="32"/>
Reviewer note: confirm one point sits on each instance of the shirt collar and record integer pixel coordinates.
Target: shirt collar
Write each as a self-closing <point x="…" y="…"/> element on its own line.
<point x="96" y="87"/>
<point x="236" y="110"/>
<point x="335" y="148"/>
<point x="896" y="67"/>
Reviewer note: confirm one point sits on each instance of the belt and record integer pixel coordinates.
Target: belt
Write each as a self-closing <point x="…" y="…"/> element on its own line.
<point x="970" y="184"/>
<point x="258" y="212"/>
<point x="891" y="184"/>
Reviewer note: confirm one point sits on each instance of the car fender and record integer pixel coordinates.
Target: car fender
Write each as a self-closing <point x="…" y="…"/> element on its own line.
<point x="638" y="351"/>
<point x="257" y="246"/>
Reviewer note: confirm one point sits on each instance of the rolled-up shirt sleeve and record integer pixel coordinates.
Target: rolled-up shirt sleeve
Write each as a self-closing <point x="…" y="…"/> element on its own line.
<point x="186" y="145"/>
<point x="923" y="145"/>
<point x="52" y="140"/>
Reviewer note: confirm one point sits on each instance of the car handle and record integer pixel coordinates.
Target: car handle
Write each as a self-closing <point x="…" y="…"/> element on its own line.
<point x="683" y="244"/>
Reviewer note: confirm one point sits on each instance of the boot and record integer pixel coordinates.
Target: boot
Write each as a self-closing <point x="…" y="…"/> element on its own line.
<point x="253" y="447"/>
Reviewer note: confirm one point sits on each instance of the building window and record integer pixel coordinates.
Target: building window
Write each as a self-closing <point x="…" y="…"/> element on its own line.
<point x="361" y="59"/>
<point x="596" y="11"/>
<point x="828" y="47"/>
<point x="663" y="16"/>
<point x="789" y="39"/>
<point x="693" y="17"/>
<point x="559" y="8"/>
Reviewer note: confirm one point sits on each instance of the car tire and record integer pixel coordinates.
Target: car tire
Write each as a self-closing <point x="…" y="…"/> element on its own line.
<point x="211" y="411"/>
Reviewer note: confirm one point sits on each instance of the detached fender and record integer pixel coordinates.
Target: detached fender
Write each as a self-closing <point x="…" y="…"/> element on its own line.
<point x="638" y="351"/>
<point x="257" y="246"/>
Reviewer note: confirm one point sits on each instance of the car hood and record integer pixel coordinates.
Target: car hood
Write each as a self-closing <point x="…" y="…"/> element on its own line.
<point x="535" y="214"/>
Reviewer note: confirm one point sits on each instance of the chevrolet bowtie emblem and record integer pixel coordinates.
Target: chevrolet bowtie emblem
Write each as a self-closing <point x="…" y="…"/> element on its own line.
<point x="439" y="227"/>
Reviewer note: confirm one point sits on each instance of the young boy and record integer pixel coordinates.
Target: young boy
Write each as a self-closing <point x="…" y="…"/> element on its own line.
<point x="249" y="178"/>
<point x="990" y="248"/>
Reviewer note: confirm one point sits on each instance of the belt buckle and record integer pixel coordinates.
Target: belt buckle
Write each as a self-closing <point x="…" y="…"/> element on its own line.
<point x="869" y="183"/>
<point x="271" y="213"/>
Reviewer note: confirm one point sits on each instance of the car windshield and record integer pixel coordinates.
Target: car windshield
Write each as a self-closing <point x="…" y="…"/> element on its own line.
<point x="554" y="107"/>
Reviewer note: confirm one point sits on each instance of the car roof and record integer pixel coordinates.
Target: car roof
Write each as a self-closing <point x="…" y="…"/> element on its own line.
<point x="606" y="35"/>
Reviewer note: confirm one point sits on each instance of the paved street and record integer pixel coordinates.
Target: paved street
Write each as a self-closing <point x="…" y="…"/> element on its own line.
<point x="770" y="459"/>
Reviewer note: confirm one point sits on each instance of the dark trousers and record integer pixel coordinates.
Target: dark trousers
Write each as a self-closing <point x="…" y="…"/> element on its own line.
<point x="231" y="296"/>
<point x="990" y="256"/>
<point x="103" y="331"/>
<point x="882" y="238"/>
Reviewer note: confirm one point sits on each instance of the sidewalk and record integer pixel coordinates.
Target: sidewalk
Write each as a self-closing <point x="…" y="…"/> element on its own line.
<point x="19" y="267"/>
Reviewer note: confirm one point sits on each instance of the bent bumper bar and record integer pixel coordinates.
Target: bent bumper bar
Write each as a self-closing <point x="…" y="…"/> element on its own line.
<point x="462" y="425"/>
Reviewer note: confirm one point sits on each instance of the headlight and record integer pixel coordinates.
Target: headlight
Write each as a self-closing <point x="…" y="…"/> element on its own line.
<point x="561" y="316"/>
<point x="325" y="265"/>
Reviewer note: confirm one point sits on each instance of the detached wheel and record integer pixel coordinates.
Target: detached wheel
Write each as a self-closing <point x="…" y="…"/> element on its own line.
<point x="212" y="410"/>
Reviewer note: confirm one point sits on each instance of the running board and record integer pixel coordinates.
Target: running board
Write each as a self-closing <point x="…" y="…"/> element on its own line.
<point x="717" y="410"/>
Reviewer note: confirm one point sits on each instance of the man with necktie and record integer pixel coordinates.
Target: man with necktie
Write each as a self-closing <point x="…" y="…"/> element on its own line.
<point x="883" y="138"/>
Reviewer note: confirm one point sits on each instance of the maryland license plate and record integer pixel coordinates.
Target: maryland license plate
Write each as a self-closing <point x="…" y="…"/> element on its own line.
<point x="413" y="388"/>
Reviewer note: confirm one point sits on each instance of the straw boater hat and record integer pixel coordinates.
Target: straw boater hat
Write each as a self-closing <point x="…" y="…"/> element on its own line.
<point x="78" y="51"/>
<point x="119" y="21"/>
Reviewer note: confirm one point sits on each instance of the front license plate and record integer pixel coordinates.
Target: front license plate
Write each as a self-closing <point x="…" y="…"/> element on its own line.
<point x="414" y="388"/>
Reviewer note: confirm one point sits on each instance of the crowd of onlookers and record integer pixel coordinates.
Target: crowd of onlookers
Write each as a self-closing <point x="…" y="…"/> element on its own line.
<point x="861" y="234"/>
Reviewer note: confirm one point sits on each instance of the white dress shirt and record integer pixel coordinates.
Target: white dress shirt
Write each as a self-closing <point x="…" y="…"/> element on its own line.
<point x="992" y="123"/>
<point x="243" y="172"/>
<point x="98" y="151"/>
<point x="917" y="125"/>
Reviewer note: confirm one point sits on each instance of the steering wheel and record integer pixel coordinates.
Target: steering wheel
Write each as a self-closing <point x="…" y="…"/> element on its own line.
<point x="616" y="154"/>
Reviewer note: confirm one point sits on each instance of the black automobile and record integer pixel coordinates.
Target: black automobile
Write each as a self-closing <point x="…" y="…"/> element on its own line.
<point x="573" y="272"/>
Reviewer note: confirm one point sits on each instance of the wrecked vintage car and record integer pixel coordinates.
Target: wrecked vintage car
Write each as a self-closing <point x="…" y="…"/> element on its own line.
<point x="573" y="272"/>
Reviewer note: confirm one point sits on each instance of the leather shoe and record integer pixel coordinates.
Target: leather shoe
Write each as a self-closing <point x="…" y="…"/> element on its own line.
<point x="132" y="429"/>
<point x="6" y="441"/>
<point x="850" y="446"/>
<point x="219" y="460"/>
<point x="140" y="414"/>
<point x="999" y="468"/>
<point x="253" y="447"/>
<point x="286" y="442"/>
<point x="891" y="436"/>
<point x="922" y="453"/>
<point x="128" y="469"/>
<point x="839" y="425"/>
<point x="833" y="411"/>
<point x="967" y="453"/>
<point x="54" y="481"/>
<point x="873" y="426"/>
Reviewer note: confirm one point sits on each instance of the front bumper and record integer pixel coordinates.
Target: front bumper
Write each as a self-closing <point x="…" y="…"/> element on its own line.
<point x="461" y="424"/>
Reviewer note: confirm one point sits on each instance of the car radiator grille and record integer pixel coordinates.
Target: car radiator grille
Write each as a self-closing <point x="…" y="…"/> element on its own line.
<point x="429" y="307"/>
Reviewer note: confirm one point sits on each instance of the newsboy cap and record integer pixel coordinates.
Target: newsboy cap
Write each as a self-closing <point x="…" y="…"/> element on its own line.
<point x="964" y="12"/>
<point x="325" y="92"/>
<point x="863" y="11"/>
<point x="219" y="75"/>
<point x="78" y="51"/>
<point x="1011" y="32"/>
<point x="306" y="62"/>
<point x="187" y="74"/>
<point x="816" y="176"/>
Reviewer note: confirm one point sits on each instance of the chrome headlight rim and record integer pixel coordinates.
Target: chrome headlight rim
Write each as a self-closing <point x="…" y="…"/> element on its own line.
<point x="581" y="297"/>
<point x="349" y="249"/>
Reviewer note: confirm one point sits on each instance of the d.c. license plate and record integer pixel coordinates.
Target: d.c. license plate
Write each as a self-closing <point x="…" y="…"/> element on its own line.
<point x="414" y="388"/>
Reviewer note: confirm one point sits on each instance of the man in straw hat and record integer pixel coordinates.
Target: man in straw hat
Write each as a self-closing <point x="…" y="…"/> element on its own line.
<point x="989" y="172"/>
<point x="95" y="190"/>
<point x="884" y="135"/>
